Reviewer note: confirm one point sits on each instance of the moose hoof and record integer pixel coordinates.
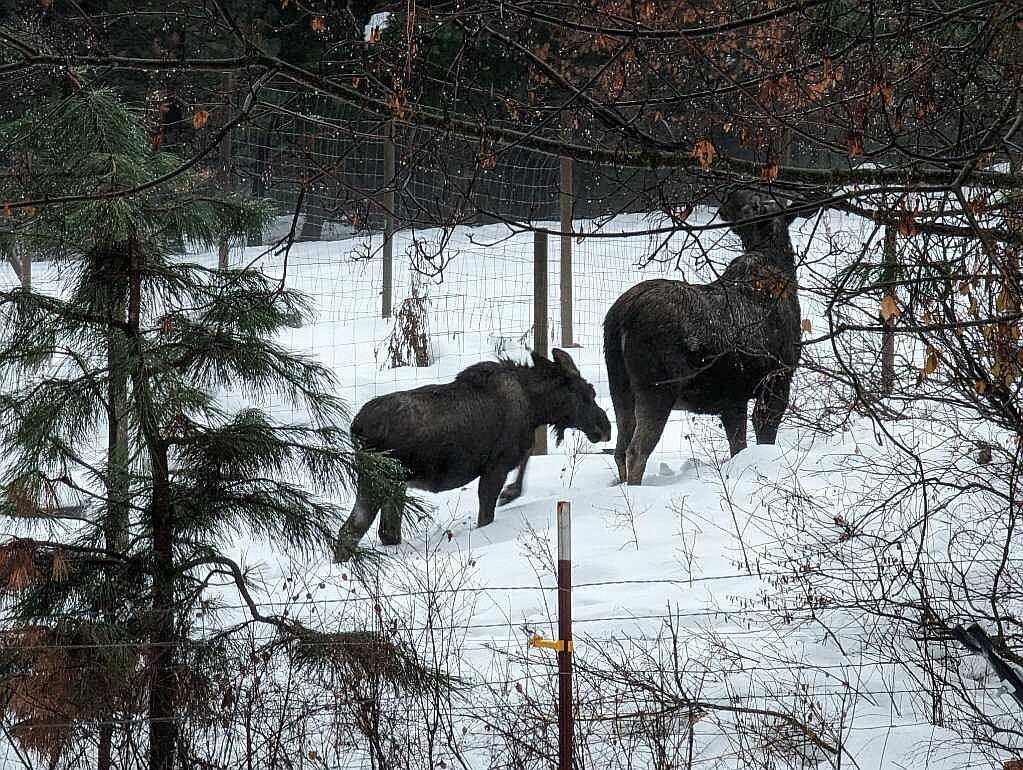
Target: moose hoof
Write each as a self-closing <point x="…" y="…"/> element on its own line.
<point x="389" y="538"/>
<point x="344" y="551"/>
<point x="508" y="494"/>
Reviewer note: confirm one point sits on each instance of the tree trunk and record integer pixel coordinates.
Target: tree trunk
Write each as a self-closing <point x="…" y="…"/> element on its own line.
<point x="106" y="740"/>
<point x="163" y="729"/>
<point x="116" y="528"/>
<point x="312" y="228"/>
<point x="226" y="168"/>
<point x="888" y="335"/>
<point x="315" y="216"/>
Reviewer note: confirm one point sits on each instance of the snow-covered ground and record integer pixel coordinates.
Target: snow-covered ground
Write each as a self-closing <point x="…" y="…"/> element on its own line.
<point x="700" y="553"/>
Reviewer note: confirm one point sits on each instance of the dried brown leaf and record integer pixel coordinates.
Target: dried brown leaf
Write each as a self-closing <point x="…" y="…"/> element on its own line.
<point x="854" y="145"/>
<point x="704" y="153"/>
<point x="889" y="308"/>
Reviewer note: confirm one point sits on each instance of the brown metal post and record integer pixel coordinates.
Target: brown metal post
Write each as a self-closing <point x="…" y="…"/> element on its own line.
<point x="566" y="204"/>
<point x="388" y="202"/>
<point x="566" y="727"/>
<point x="540" y="319"/>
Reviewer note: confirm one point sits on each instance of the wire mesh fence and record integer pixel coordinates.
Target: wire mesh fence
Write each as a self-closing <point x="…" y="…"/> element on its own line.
<point x="464" y="218"/>
<point x="462" y="213"/>
<point x="645" y="686"/>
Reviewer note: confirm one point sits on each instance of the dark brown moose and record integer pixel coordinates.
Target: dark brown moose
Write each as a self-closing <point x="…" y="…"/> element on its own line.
<point x="481" y="425"/>
<point x="708" y="348"/>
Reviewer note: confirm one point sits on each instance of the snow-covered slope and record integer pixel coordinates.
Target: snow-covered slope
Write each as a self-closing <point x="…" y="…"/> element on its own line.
<point x="701" y="558"/>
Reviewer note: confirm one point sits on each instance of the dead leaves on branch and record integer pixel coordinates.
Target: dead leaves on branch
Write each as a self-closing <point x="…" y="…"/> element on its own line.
<point x="1006" y="300"/>
<point x="704" y="153"/>
<point x="889" y="309"/>
<point x="1006" y="354"/>
<point x="397" y="104"/>
<point x="487" y="156"/>
<point x="25" y="562"/>
<point x="907" y="223"/>
<point x="885" y="91"/>
<point x="854" y="144"/>
<point x="361" y="657"/>
<point x="66" y="674"/>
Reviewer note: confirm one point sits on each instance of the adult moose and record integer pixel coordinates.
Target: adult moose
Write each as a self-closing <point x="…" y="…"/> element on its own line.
<point x="479" y="426"/>
<point x="708" y="348"/>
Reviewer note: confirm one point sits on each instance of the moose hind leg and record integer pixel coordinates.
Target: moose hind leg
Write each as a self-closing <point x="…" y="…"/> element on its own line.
<point x="489" y="488"/>
<point x="651" y="415"/>
<point x="733" y="418"/>
<point x="352" y="531"/>
<point x="772" y="401"/>
<point x="625" y="417"/>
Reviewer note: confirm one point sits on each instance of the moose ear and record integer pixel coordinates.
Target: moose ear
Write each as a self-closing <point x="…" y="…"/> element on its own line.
<point x="564" y="360"/>
<point x="537" y="359"/>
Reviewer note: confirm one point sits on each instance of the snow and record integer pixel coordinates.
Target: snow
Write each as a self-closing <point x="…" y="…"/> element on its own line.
<point x="695" y="549"/>
<point x="378" y="22"/>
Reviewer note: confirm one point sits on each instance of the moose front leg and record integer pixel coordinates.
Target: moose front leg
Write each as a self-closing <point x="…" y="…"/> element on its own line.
<point x="489" y="488"/>
<point x="770" y="406"/>
<point x="514" y="490"/>
<point x="733" y="418"/>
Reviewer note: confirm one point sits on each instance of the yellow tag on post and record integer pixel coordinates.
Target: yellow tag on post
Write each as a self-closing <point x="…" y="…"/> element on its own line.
<point x="551" y="644"/>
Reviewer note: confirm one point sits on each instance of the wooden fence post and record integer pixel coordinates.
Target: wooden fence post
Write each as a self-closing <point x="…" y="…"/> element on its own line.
<point x="26" y="270"/>
<point x="540" y="318"/>
<point x="226" y="152"/>
<point x="567" y="204"/>
<point x="388" y="202"/>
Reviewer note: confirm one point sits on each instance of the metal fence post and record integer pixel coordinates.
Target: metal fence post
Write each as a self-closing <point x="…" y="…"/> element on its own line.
<point x="540" y="318"/>
<point x="566" y="204"/>
<point x="566" y="728"/>
<point x="388" y="202"/>
<point x="563" y="645"/>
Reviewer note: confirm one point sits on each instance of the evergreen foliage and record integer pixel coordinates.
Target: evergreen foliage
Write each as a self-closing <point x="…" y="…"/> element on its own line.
<point x="112" y="395"/>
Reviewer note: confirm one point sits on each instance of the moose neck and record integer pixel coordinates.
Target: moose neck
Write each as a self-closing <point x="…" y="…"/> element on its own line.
<point x="772" y="241"/>
<point x="541" y="390"/>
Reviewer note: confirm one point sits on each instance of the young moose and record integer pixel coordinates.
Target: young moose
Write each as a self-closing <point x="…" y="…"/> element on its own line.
<point x="708" y="348"/>
<point x="481" y="425"/>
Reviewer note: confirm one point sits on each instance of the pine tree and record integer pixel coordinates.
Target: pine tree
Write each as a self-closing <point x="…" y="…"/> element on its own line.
<point x="110" y="394"/>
